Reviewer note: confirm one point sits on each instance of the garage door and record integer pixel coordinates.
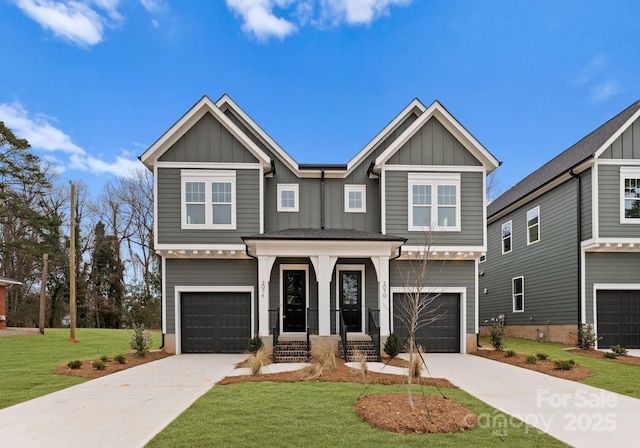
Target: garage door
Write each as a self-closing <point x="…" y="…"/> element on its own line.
<point x="215" y="322"/>
<point x="618" y="318"/>
<point x="441" y="336"/>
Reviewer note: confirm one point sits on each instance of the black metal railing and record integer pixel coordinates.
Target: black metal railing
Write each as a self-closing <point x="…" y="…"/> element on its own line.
<point x="374" y="331"/>
<point x="274" y="323"/>
<point x="343" y="335"/>
<point x="308" y="336"/>
<point x="312" y="321"/>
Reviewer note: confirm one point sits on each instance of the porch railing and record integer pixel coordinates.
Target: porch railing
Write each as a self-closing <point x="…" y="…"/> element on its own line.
<point x="308" y="336"/>
<point x="343" y="335"/>
<point x="274" y="323"/>
<point x="374" y="331"/>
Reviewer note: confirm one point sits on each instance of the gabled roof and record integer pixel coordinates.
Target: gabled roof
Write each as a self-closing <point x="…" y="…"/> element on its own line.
<point x="576" y="155"/>
<point x="205" y="105"/>
<point x="438" y="111"/>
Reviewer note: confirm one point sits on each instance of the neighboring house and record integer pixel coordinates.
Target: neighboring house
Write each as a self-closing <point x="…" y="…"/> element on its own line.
<point x="252" y="242"/>
<point x="4" y="284"/>
<point x="564" y="243"/>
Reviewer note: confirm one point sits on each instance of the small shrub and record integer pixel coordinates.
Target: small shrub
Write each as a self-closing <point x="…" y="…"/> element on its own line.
<point x="120" y="359"/>
<point x="542" y="356"/>
<point x="619" y="350"/>
<point x="586" y="337"/>
<point x="324" y="354"/>
<point x="496" y="334"/>
<point x="104" y="358"/>
<point x="393" y="346"/>
<point x="254" y="344"/>
<point x="98" y="365"/>
<point x="531" y="359"/>
<point x="610" y="355"/>
<point x="75" y="364"/>
<point x="313" y="371"/>
<point x="260" y="358"/>
<point x="564" y="364"/>
<point x="509" y="354"/>
<point x="140" y="340"/>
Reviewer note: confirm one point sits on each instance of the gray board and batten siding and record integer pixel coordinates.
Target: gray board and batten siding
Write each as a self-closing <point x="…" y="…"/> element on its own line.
<point x="207" y="272"/>
<point x="549" y="267"/>
<point x="609" y="205"/>
<point x="626" y="146"/>
<point x="472" y="203"/>
<point x="443" y="274"/>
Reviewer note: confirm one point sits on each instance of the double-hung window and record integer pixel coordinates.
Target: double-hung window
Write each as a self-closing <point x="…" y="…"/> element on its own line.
<point x="533" y="225"/>
<point x="517" y="289"/>
<point x="288" y="198"/>
<point x="355" y="198"/>
<point x="630" y="195"/>
<point x="434" y="201"/>
<point x="208" y="199"/>
<point x="506" y="237"/>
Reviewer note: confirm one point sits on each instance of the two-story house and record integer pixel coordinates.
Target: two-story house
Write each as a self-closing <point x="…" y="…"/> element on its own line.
<point x="253" y="242"/>
<point x="564" y="243"/>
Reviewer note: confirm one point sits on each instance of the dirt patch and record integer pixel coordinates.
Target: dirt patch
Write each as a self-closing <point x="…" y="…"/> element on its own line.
<point x="631" y="360"/>
<point x="576" y="374"/>
<point x="111" y="366"/>
<point x="393" y="413"/>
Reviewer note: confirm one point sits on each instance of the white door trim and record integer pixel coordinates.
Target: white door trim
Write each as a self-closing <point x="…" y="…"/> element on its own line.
<point x="293" y="267"/>
<point x="608" y="287"/>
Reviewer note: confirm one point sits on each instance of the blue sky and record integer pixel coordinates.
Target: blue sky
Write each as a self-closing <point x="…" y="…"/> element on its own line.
<point x="93" y="83"/>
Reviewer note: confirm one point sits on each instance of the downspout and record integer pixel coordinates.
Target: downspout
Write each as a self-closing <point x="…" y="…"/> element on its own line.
<point x="369" y="173"/>
<point x="322" y="199"/>
<point x="579" y="238"/>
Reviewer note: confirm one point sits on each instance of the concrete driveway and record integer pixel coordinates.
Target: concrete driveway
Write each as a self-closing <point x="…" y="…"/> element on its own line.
<point x="125" y="409"/>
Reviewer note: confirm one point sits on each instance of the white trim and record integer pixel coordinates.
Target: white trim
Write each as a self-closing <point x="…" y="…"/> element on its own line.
<point x="529" y="242"/>
<point x="462" y="291"/>
<point x="476" y="303"/>
<point x="296" y="195"/>
<point x="583" y="288"/>
<point x="630" y="162"/>
<point x="293" y="267"/>
<point x="178" y="290"/>
<point x="609" y="287"/>
<point x="502" y="237"/>
<point x="357" y="188"/>
<point x="513" y="294"/>
<point x="163" y="286"/>
<point x="331" y="248"/>
<point x="352" y="267"/>
<point x="208" y="178"/>
<point x="434" y="181"/>
<point x="187" y="247"/>
<point x="210" y="165"/>
<point x="436" y="168"/>
<point x="627" y="172"/>
<point x="484" y="209"/>
<point x="617" y="134"/>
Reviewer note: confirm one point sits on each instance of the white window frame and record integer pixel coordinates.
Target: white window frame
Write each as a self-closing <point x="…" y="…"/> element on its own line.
<point x="627" y="172"/>
<point x="434" y="180"/>
<point x="208" y="177"/>
<point x="529" y="227"/>
<point x="296" y="202"/>
<point x="355" y="188"/>
<point x="513" y="293"/>
<point x="502" y="237"/>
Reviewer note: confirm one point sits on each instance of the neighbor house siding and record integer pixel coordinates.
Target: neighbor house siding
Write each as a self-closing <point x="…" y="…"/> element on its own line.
<point x="609" y="268"/>
<point x="609" y="205"/>
<point x="170" y="209"/>
<point x="442" y="274"/>
<point x="472" y="203"/>
<point x="549" y="267"/>
<point x="206" y="272"/>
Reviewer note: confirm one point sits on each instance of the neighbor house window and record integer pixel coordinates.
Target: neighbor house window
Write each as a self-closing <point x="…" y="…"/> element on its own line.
<point x="630" y="195"/>
<point x="506" y="237"/>
<point x="208" y="199"/>
<point x="288" y="198"/>
<point x="518" y="294"/>
<point x="434" y="201"/>
<point x="355" y="198"/>
<point x="533" y="225"/>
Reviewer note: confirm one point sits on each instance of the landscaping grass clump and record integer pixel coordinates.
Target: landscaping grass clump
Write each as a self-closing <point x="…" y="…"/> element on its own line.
<point x="393" y="346"/>
<point x="610" y="355"/>
<point x="75" y="364"/>
<point x="120" y="359"/>
<point x="564" y="364"/>
<point x="542" y="356"/>
<point x="417" y="364"/>
<point x="531" y="359"/>
<point x="509" y="354"/>
<point x="362" y="363"/>
<point x="324" y="354"/>
<point x="619" y="350"/>
<point x="98" y="365"/>
<point x="260" y="358"/>
<point x="104" y="358"/>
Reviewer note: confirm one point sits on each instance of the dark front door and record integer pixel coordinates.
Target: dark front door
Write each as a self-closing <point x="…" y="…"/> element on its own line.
<point x="351" y="299"/>
<point x="294" y="301"/>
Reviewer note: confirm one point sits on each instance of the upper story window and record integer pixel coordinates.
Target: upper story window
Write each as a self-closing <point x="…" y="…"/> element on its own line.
<point x="434" y="201"/>
<point x="506" y="237"/>
<point x="630" y="195"/>
<point x="517" y="289"/>
<point x="288" y="198"/>
<point x="355" y="198"/>
<point x="533" y="225"/>
<point x="208" y="199"/>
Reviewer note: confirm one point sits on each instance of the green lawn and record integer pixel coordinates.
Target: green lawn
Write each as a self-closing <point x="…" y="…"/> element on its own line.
<point x="27" y="362"/>
<point x="610" y="375"/>
<point x="317" y="415"/>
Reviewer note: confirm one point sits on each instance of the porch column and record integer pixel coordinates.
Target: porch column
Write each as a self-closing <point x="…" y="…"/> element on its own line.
<point x="323" y="265"/>
<point x="264" y="275"/>
<point x="384" y="299"/>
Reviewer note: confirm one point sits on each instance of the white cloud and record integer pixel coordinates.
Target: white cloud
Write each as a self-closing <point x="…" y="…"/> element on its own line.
<point x="358" y="12"/>
<point x="596" y="77"/>
<point x="604" y="90"/>
<point x="43" y="136"/>
<point x="260" y="20"/>
<point x="152" y="5"/>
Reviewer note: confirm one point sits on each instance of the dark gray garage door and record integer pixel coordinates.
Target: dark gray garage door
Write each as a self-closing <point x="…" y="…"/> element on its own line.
<point x="441" y="336"/>
<point x="215" y="322"/>
<point x="618" y="318"/>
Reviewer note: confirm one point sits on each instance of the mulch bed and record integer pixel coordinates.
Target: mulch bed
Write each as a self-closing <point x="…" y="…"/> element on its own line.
<point x="576" y="374"/>
<point x="631" y="360"/>
<point x="87" y="371"/>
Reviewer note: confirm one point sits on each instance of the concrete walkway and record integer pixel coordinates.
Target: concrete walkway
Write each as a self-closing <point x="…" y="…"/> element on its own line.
<point x="575" y="413"/>
<point x="125" y="409"/>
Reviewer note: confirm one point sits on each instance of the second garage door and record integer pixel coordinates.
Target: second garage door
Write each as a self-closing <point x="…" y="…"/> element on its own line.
<point x="441" y="336"/>
<point x="618" y="318"/>
<point x="215" y="322"/>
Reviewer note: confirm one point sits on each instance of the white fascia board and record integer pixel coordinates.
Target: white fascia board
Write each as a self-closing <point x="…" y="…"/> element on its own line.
<point x="151" y="155"/>
<point x="444" y="252"/>
<point x="210" y="165"/>
<point x="453" y="126"/>
<point x="334" y="248"/>
<point x="7" y="282"/>
<point x="178" y="247"/>
<point x="617" y="134"/>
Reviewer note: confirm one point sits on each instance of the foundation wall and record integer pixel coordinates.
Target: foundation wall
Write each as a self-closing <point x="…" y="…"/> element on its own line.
<point x="553" y="333"/>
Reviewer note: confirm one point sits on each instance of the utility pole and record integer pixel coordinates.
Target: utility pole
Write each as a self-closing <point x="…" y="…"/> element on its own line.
<point x="43" y="291"/>
<point x="72" y="266"/>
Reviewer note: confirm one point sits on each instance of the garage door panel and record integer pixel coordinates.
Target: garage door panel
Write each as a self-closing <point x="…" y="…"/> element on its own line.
<point x="215" y="322"/>
<point x="618" y="318"/>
